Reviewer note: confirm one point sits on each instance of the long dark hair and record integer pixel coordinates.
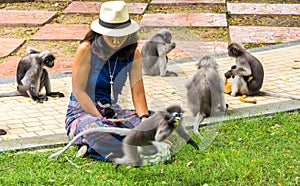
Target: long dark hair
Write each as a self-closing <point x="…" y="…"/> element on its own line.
<point x="129" y="46"/>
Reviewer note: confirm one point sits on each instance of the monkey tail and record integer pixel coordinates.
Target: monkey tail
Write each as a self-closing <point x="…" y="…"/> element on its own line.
<point x="120" y="131"/>
<point x="243" y="99"/>
<point x="10" y="94"/>
<point x="279" y="95"/>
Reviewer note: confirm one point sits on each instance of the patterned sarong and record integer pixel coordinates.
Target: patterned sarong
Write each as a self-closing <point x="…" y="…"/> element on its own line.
<point x="101" y="144"/>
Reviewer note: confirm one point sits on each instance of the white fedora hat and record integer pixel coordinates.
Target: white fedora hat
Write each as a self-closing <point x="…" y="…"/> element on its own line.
<point x="114" y="20"/>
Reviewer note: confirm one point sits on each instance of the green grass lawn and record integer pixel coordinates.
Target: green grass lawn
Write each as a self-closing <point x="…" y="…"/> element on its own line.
<point x="258" y="151"/>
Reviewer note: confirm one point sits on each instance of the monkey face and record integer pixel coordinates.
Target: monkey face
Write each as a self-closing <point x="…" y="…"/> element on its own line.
<point x="176" y="116"/>
<point x="166" y="36"/>
<point x="235" y="50"/>
<point x="49" y="61"/>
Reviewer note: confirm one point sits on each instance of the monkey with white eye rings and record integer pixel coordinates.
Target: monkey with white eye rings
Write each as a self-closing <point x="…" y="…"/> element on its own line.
<point x="154" y="53"/>
<point x="205" y="91"/>
<point x="157" y="127"/>
<point x="248" y="74"/>
<point x="32" y="76"/>
<point x="247" y="66"/>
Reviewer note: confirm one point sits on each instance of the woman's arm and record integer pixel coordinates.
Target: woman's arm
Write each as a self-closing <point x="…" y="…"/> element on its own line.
<point x="80" y="73"/>
<point x="137" y="86"/>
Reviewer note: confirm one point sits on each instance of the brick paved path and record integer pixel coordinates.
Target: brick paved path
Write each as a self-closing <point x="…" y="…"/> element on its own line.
<point x="30" y="124"/>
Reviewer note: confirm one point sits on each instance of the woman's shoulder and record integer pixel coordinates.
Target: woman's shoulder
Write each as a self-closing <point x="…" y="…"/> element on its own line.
<point x="83" y="46"/>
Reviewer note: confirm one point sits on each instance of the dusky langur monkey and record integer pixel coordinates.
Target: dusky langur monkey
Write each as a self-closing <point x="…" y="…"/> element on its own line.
<point x="248" y="75"/>
<point x="32" y="76"/>
<point x="157" y="127"/>
<point x="154" y="53"/>
<point x="205" y="91"/>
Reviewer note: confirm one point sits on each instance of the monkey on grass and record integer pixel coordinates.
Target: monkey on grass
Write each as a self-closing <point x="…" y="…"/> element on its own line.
<point x="248" y="75"/>
<point x="138" y="140"/>
<point x="32" y="76"/>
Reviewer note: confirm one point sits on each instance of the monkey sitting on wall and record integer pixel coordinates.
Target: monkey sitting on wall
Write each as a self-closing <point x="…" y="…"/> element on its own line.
<point x="157" y="127"/>
<point x="154" y="53"/>
<point x="205" y="90"/>
<point x="32" y="76"/>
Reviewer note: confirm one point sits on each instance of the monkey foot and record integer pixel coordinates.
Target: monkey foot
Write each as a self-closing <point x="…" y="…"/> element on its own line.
<point x="2" y="132"/>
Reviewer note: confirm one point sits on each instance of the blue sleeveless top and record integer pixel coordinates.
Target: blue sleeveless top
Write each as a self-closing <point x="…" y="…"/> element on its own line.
<point x="98" y="85"/>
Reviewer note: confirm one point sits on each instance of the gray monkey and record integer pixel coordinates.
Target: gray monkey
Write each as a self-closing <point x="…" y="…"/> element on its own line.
<point x="32" y="76"/>
<point x="205" y="90"/>
<point x="248" y="74"/>
<point x="154" y="53"/>
<point x="157" y="127"/>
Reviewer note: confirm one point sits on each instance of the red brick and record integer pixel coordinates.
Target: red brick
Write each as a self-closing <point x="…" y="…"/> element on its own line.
<point x="261" y="34"/>
<point x="9" y="68"/>
<point x="9" y="45"/>
<point x="25" y="18"/>
<point x="94" y="8"/>
<point x="193" y="48"/>
<point x="263" y="9"/>
<point x="173" y="20"/>
<point x="61" y="32"/>
<point x="188" y="2"/>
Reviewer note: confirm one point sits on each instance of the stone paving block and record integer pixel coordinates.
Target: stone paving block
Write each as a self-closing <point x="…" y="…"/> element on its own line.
<point x="261" y="34"/>
<point x="9" y="68"/>
<point x="53" y="0"/>
<point x="8" y="46"/>
<point x="94" y="8"/>
<point x="186" y="49"/>
<point x="184" y="19"/>
<point x="263" y="9"/>
<point x="25" y="18"/>
<point x="61" y="32"/>
<point x="196" y="48"/>
<point x="188" y="2"/>
<point x="28" y="135"/>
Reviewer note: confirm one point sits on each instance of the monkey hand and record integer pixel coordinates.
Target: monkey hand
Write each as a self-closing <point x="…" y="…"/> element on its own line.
<point x="193" y="143"/>
<point x="228" y="74"/>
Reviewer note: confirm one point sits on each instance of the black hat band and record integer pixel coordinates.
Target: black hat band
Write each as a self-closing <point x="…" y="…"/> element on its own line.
<point x="115" y="25"/>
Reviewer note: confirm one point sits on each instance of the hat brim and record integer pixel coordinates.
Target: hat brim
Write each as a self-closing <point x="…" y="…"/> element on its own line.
<point x="116" y="32"/>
